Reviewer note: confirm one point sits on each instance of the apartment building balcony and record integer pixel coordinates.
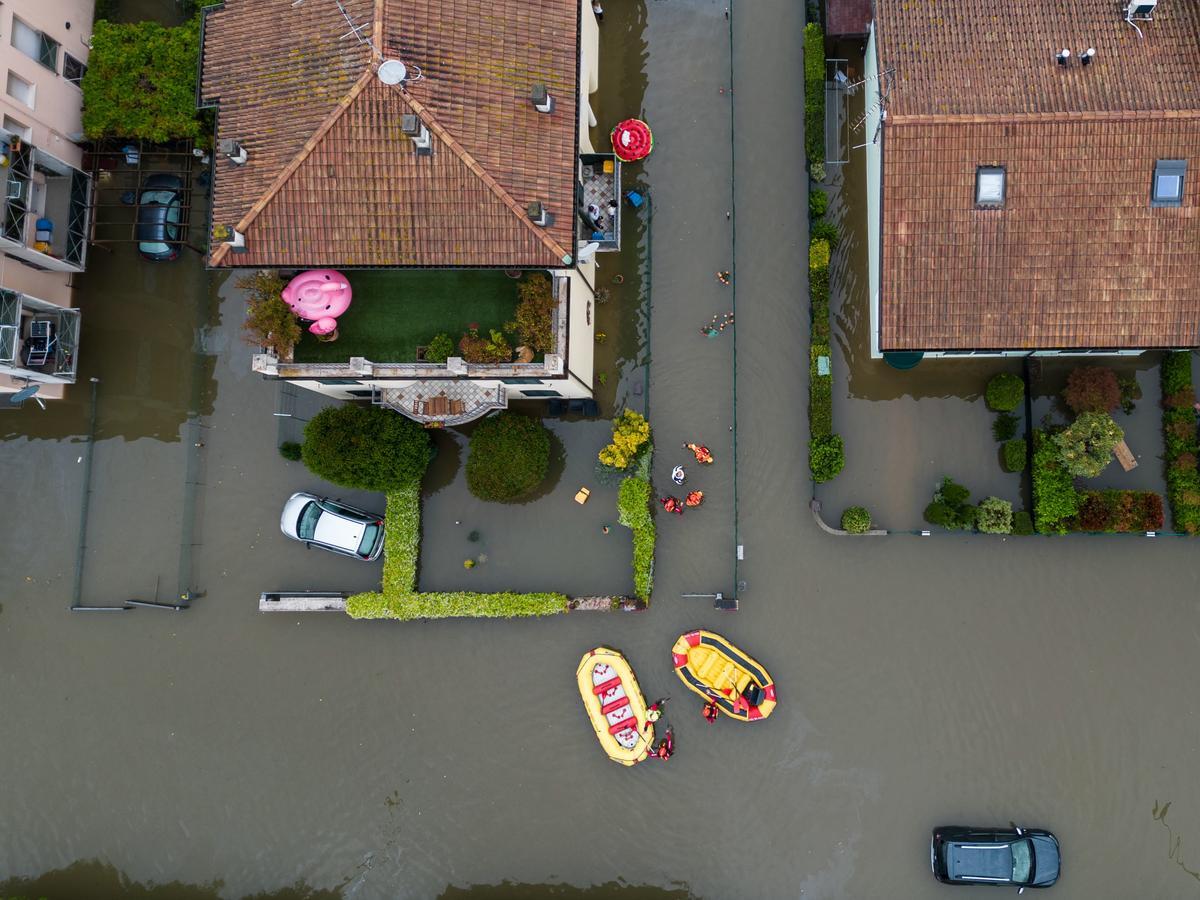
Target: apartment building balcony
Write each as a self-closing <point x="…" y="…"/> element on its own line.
<point x="38" y="340"/>
<point x="46" y="207"/>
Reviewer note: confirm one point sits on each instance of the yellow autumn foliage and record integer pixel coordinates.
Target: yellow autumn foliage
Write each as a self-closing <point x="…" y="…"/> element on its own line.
<point x="631" y="431"/>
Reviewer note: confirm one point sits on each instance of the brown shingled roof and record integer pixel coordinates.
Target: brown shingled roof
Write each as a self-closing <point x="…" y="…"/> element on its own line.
<point x="331" y="180"/>
<point x="1077" y="257"/>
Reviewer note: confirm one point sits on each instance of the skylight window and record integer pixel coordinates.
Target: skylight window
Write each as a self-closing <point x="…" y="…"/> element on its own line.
<point x="1167" y="187"/>
<point x="989" y="186"/>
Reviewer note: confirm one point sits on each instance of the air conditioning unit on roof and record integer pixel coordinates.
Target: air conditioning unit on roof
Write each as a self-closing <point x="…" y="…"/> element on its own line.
<point x="1140" y="9"/>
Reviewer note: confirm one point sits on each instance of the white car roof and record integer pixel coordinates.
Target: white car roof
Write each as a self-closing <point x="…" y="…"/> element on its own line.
<point x="332" y="529"/>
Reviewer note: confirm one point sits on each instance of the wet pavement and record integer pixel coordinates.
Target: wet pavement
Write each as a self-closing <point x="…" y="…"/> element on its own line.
<point x="220" y="752"/>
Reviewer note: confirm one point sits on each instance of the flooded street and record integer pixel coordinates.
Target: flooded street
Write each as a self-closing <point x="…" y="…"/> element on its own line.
<point x="219" y="752"/>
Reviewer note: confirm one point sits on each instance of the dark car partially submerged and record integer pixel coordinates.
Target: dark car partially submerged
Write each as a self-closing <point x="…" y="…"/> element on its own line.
<point x="160" y="217"/>
<point x="1018" y="857"/>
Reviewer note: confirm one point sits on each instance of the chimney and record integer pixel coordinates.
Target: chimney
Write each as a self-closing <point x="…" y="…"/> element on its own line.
<point x="237" y="243"/>
<point x="541" y="99"/>
<point x="235" y="151"/>
<point x="415" y="129"/>
<point x="1086" y="56"/>
<point x="539" y="215"/>
<point x="1064" y="57"/>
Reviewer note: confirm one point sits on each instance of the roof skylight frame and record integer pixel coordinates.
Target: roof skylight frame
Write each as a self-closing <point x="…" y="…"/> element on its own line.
<point x="991" y="187"/>
<point x="1168" y="182"/>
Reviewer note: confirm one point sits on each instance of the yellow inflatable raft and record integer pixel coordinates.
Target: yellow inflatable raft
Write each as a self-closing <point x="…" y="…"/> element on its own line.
<point x="615" y="705"/>
<point x="720" y="672"/>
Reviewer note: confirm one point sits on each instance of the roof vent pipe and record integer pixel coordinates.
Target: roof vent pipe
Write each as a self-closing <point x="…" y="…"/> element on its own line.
<point x="541" y="99"/>
<point x="1086" y="56"/>
<point x="539" y="215"/>
<point x="414" y="128"/>
<point x="234" y="151"/>
<point x="1064" y="57"/>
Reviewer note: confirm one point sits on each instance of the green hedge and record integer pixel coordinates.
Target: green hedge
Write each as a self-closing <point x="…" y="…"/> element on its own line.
<point x="1117" y="511"/>
<point x="1179" y="439"/>
<point x="1055" y="500"/>
<point x="826" y="452"/>
<point x="399" y="598"/>
<point x="814" y="93"/>
<point x="1015" y="455"/>
<point x="633" y="511"/>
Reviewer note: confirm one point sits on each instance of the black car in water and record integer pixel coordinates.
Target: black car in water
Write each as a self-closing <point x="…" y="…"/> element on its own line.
<point x="160" y="217"/>
<point x="1017" y="857"/>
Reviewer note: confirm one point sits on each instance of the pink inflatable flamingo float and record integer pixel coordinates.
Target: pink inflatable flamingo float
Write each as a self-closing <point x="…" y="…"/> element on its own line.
<point x="319" y="296"/>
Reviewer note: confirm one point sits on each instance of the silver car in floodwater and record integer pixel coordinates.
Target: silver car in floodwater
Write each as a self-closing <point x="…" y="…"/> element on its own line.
<point x="321" y="522"/>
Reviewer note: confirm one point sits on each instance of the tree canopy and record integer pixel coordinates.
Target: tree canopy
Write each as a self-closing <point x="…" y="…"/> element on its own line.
<point x="141" y="81"/>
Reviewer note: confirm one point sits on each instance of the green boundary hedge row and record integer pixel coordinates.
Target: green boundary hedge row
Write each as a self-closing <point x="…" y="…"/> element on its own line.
<point x="1179" y="439"/>
<point x="814" y="93"/>
<point x="633" y="511"/>
<point x="399" y="598"/>
<point x="826" y="454"/>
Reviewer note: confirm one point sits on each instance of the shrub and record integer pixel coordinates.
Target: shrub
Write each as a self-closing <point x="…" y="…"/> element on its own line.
<point x="1130" y="391"/>
<point x="1182" y="446"/>
<point x="1005" y="392"/>
<point x="824" y="231"/>
<point x="533" y="319"/>
<point x="440" y="349"/>
<point x="1119" y="511"/>
<point x="818" y="203"/>
<point x="633" y="511"/>
<point x="509" y="457"/>
<point x="826" y="457"/>
<point x="856" y="520"/>
<point x="818" y="254"/>
<point x="814" y="93"/>
<point x="1022" y="523"/>
<point x="630" y="432"/>
<point x="937" y="513"/>
<point x="478" y="349"/>
<point x="269" y="322"/>
<point x="818" y="285"/>
<point x="290" y="450"/>
<point x="952" y="493"/>
<point x="141" y="81"/>
<point x="995" y="516"/>
<point x="1092" y="389"/>
<point x="1055" y="500"/>
<point x="454" y="604"/>
<point x="1015" y="455"/>
<point x="402" y="538"/>
<point x="365" y="447"/>
<point x="1004" y="427"/>
<point x="1085" y="446"/>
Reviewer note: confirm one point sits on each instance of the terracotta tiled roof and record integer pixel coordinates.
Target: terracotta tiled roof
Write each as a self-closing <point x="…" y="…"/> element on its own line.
<point x="956" y="57"/>
<point x="332" y="180"/>
<point x="847" y="17"/>
<point x="1077" y="257"/>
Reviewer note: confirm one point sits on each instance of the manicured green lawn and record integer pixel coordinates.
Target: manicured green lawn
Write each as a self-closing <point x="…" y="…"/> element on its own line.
<point x="395" y="311"/>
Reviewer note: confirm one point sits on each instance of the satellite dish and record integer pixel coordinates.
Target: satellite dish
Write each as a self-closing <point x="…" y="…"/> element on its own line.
<point x="26" y="393"/>
<point x="392" y="71"/>
<point x="587" y="251"/>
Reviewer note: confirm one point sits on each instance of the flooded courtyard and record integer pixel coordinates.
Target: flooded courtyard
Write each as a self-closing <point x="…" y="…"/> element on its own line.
<point x="218" y="752"/>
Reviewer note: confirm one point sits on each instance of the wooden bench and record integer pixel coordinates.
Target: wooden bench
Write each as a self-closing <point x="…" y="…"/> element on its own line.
<point x="1125" y="456"/>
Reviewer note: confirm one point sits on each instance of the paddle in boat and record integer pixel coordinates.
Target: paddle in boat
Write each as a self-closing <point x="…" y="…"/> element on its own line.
<point x="615" y="704"/>
<point x="722" y="674"/>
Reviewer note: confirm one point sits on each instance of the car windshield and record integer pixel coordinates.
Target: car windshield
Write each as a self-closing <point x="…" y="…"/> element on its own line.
<point x="306" y="528"/>
<point x="370" y="533"/>
<point x="1022" y="856"/>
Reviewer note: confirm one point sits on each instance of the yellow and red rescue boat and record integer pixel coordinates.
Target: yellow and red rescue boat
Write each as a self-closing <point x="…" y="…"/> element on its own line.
<point x="615" y="704"/>
<point x="721" y="673"/>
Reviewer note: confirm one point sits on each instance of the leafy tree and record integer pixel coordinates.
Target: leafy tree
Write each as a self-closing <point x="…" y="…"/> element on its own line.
<point x="365" y="447"/>
<point x="491" y="349"/>
<point x="509" y="457"/>
<point x="141" y="81"/>
<point x="269" y="322"/>
<point x="950" y="508"/>
<point x="995" y="516"/>
<point x="630" y="432"/>
<point x="533" y="317"/>
<point x="1092" y="389"/>
<point x="856" y="520"/>
<point x="1085" y="446"/>
<point x="1005" y="392"/>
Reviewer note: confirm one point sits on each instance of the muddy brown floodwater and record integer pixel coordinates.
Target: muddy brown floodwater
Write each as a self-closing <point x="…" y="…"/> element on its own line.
<point x="222" y="753"/>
